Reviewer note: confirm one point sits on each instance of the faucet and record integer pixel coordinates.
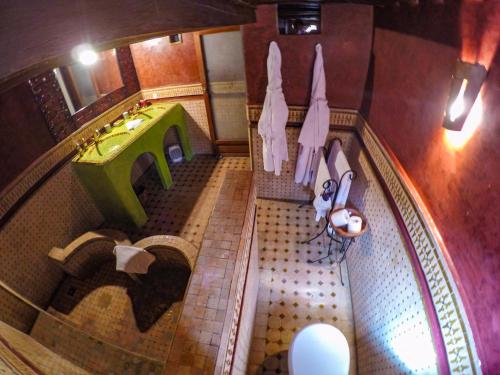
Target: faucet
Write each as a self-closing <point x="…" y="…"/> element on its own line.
<point x="81" y="146"/>
<point x="96" y="136"/>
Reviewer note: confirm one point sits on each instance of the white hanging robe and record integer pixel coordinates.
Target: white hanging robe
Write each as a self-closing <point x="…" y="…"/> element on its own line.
<point x="315" y="128"/>
<point x="274" y="115"/>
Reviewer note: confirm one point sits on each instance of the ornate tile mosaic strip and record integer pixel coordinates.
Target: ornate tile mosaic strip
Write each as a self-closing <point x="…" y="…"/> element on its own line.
<point x="227" y="87"/>
<point x="461" y="352"/>
<point x="297" y="114"/>
<point x="173" y="91"/>
<point x="231" y="324"/>
<point x="284" y="186"/>
<point x="247" y="317"/>
<point x="393" y="334"/>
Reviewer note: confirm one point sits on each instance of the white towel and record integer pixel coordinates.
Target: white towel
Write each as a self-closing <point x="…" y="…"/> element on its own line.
<point x="132" y="259"/>
<point x="337" y="166"/>
<point x="322" y="207"/>
<point x="131" y="125"/>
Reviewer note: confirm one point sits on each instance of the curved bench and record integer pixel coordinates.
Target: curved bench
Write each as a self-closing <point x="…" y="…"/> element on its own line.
<point x="170" y="248"/>
<point x="86" y="253"/>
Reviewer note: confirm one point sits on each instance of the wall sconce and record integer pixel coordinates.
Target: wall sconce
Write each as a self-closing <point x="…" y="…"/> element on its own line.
<point x="465" y="86"/>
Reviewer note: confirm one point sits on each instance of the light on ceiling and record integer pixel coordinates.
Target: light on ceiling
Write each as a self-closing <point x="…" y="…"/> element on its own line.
<point x="85" y="54"/>
<point x="465" y="86"/>
<point x="152" y="42"/>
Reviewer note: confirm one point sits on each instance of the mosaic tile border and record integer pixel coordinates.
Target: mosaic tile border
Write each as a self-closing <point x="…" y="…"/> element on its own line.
<point x="458" y="340"/>
<point x="173" y="91"/>
<point x="297" y="114"/>
<point x="226" y="355"/>
<point x="59" y="153"/>
<point x="228" y="87"/>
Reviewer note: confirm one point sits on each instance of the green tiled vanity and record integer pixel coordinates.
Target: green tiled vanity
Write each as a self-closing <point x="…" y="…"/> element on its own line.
<point x="105" y="167"/>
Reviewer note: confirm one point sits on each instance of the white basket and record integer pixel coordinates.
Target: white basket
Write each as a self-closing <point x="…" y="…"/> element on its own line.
<point x="175" y="153"/>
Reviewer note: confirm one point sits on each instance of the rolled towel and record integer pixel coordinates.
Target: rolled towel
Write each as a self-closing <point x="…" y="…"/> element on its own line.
<point x="131" y="125"/>
<point x="340" y="218"/>
<point x="354" y="224"/>
<point x="132" y="259"/>
<point x="322" y="206"/>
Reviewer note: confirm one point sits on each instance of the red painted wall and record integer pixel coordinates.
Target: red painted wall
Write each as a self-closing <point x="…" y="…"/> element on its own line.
<point x="346" y="36"/>
<point x="166" y="64"/>
<point x="23" y="132"/>
<point x="460" y="188"/>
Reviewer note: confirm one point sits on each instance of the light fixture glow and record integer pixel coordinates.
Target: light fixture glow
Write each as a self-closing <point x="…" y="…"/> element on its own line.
<point x="413" y="346"/>
<point x="152" y="42"/>
<point x="311" y="28"/>
<point x="465" y="85"/>
<point x="85" y="54"/>
<point x="458" y="106"/>
<point x="457" y="140"/>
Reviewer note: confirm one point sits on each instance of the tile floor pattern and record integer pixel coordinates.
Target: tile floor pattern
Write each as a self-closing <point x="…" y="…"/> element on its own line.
<point x="183" y="210"/>
<point x="293" y="293"/>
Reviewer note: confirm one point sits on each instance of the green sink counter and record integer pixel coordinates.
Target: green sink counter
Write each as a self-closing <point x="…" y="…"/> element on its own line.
<point x="105" y="168"/>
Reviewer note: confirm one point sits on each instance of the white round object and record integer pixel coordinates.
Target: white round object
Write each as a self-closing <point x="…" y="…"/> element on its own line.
<point x="340" y="218"/>
<point x="319" y="349"/>
<point x="354" y="225"/>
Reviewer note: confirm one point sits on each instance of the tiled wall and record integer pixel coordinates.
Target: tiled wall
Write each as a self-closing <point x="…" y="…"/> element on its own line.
<point x="284" y="187"/>
<point x="458" y="351"/>
<point x="59" y="212"/>
<point x="393" y="334"/>
<point x="404" y="295"/>
<point x="247" y="317"/>
<point x="196" y="113"/>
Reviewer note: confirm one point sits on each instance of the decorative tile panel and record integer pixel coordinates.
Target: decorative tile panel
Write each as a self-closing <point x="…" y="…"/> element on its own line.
<point x="247" y="316"/>
<point x="297" y="114"/>
<point x="227" y="87"/>
<point x="393" y="334"/>
<point x="60" y="211"/>
<point x="271" y="186"/>
<point x="461" y="352"/>
<point x="173" y="91"/>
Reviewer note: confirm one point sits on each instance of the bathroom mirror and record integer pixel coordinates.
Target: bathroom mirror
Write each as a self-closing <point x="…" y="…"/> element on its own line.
<point x="84" y="83"/>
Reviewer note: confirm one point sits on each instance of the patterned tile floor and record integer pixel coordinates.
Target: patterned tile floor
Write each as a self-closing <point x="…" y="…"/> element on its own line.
<point x="103" y="306"/>
<point x="293" y="293"/>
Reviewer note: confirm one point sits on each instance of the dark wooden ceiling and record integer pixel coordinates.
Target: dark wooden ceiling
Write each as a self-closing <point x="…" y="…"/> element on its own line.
<point x="39" y="35"/>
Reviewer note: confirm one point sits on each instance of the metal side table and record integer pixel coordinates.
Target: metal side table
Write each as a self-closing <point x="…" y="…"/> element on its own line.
<point x="341" y="236"/>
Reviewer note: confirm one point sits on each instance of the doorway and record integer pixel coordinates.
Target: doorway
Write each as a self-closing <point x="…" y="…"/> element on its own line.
<point x="223" y="64"/>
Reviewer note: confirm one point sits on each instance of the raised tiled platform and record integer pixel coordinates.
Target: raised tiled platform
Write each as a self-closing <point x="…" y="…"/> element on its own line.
<point x="184" y="210"/>
<point x="205" y="337"/>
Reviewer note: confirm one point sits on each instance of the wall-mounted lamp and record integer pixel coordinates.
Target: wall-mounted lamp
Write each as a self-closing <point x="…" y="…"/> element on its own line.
<point x="465" y="86"/>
